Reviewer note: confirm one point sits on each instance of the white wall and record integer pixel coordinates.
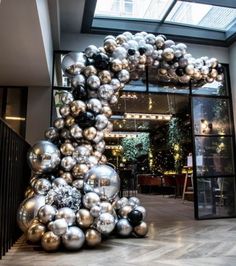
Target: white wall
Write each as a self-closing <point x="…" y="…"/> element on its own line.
<point x="38" y="113"/>
<point x="78" y="42"/>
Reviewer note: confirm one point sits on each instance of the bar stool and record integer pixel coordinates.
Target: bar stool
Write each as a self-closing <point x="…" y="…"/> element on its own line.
<point x="188" y="190"/>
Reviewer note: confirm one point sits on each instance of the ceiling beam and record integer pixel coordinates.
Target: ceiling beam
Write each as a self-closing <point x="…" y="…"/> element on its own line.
<point x="223" y="3"/>
<point x="88" y="16"/>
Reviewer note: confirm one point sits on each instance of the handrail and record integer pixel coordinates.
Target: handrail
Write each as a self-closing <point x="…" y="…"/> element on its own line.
<point x="14" y="176"/>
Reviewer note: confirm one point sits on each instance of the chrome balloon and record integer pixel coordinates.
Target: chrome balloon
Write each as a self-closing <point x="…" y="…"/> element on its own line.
<point x="59" y="227"/>
<point x="42" y="186"/>
<point x="105" y="223"/>
<point x="66" y="213"/>
<point x="74" y="238"/>
<point x="84" y="218"/>
<point x="123" y="227"/>
<point x="90" y="199"/>
<point x="46" y="213"/>
<point x="35" y="232"/>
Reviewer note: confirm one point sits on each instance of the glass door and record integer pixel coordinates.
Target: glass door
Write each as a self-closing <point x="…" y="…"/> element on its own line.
<point x="214" y="151"/>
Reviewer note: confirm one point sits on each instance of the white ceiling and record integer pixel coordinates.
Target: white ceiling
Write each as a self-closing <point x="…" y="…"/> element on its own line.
<point x="23" y="60"/>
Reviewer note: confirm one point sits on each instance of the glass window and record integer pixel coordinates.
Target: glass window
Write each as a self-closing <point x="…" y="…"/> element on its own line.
<point x="214" y="156"/>
<point x="139" y="9"/>
<point x="216" y="197"/>
<point x="202" y="15"/>
<point x="211" y="116"/>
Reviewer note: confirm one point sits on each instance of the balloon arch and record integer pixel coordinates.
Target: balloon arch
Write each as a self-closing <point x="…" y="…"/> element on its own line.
<point x="72" y="199"/>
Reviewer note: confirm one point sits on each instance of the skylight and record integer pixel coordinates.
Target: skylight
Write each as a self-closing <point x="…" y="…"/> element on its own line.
<point x="202" y="15"/>
<point x="136" y="9"/>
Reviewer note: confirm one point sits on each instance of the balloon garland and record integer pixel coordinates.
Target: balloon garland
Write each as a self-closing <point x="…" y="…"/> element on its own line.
<point x="72" y="199"/>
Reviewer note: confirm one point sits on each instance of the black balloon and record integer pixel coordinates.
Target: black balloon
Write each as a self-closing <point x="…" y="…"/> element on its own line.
<point x="179" y="71"/>
<point x="86" y="119"/>
<point x="80" y="93"/>
<point x="131" y="51"/>
<point x="142" y="50"/>
<point x="220" y="69"/>
<point x="135" y="217"/>
<point x="101" y="61"/>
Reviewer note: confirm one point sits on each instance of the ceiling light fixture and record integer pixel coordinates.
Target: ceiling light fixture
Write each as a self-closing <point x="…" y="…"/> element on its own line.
<point x="147" y="116"/>
<point x="122" y="135"/>
<point x="15" y="118"/>
<point x="129" y="95"/>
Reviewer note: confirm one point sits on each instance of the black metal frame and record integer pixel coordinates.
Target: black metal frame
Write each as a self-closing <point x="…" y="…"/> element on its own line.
<point x="14" y="175"/>
<point x="177" y="32"/>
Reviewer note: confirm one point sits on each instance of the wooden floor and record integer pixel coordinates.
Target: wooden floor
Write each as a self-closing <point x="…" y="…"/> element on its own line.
<point x="174" y="238"/>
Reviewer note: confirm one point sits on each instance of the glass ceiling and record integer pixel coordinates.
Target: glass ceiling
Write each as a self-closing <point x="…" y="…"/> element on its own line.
<point x="178" y="12"/>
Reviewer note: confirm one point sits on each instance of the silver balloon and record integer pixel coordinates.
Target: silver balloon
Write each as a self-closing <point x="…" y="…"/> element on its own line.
<point x="78" y="183"/>
<point x="91" y="50"/>
<point x="46" y="213"/>
<point x="50" y="241"/>
<point x="105" y="223"/>
<point x="66" y="97"/>
<point x="81" y="151"/>
<point x="76" y="131"/>
<point x="84" y="218"/>
<point x="106" y="207"/>
<point x="104" y="180"/>
<point x="77" y="107"/>
<point x="51" y="134"/>
<point x="90" y="133"/>
<point x="119" y="53"/>
<point x="59" y="182"/>
<point x="141" y="230"/>
<point x="59" y="123"/>
<point x="73" y="63"/>
<point x="105" y="92"/>
<point x="99" y="136"/>
<point x="92" y="161"/>
<point x="100" y="146"/>
<point x="90" y="199"/>
<point x="95" y="105"/>
<point x="42" y="186"/>
<point x="101" y="122"/>
<point x="94" y="82"/>
<point x="64" y="110"/>
<point x="115" y="84"/>
<point x="124" y="211"/>
<point x="113" y="100"/>
<point x="35" y="232"/>
<point x="123" y="76"/>
<point x="28" y="210"/>
<point x="142" y="210"/>
<point x="74" y="238"/>
<point x="134" y="201"/>
<point x="93" y="237"/>
<point x="95" y="210"/>
<point x="121" y="203"/>
<point x="67" y="176"/>
<point x="160" y="41"/>
<point x="67" y="149"/>
<point x="123" y="227"/>
<point x="59" y="227"/>
<point x="67" y="163"/>
<point x="66" y="213"/>
<point x="43" y="157"/>
<point x="78" y="81"/>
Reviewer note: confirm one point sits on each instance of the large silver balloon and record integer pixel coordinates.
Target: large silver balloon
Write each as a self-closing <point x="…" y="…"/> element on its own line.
<point x="90" y="199"/>
<point x="59" y="227"/>
<point x="46" y="213"/>
<point x="66" y="213"/>
<point x="35" y="232"/>
<point x="123" y="227"/>
<point x="42" y="186"/>
<point x="28" y="210"/>
<point x="93" y="237"/>
<point x="73" y="64"/>
<point x="43" y="157"/>
<point x="105" y="223"/>
<point x="84" y="218"/>
<point x="50" y="241"/>
<point x="104" y="180"/>
<point x="74" y="238"/>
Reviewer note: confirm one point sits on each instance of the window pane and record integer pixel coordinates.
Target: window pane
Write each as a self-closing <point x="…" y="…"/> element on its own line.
<point x="216" y="197"/>
<point x="142" y="9"/>
<point x="214" y="156"/>
<point x="202" y="15"/>
<point x="211" y="116"/>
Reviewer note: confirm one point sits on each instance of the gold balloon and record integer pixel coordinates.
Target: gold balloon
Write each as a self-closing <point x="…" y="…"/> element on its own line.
<point x="141" y="230"/>
<point x="213" y="73"/>
<point x="90" y="133"/>
<point x="84" y="218"/>
<point x="124" y="211"/>
<point x="106" y="207"/>
<point x="125" y="63"/>
<point x="35" y="232"/>
<point x="116" y="65"/>
<point x="67" y="176"/>
<point x="69" y="120"/>
<point x="120" y="39"/>
<point x="29" y="192"/>
<point x="189" y="69"/>
<point x="67" y="149"/>
<point x="110" y="45"/>
<point x="80" y="169"/>
<point x="142" y="59"/>
<point x="106" y="110"/>
<point x="77" y="107"/>
<point x="50" y="241"/>
<point x="105" y="76"/>
<point x="93" y="237"/>
<point x="90" y="70"/>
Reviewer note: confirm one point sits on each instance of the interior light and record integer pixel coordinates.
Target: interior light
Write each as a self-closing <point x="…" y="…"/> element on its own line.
<point x="121" y="135"/>
<point x="15" y="118"/>
<point x="147" y="116"/>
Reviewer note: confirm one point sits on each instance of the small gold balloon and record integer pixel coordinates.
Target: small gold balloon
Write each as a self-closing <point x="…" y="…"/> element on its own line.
<point x="213" y="73"/>
<point x="125" y="63"/>
<point x="77" y="107"/>
<point x="90" y="133"/>
<point x="110" y="45"/>
<point x="67" y="149"/>
<point x="93" y="237"/>
<point x="141" y="230"/>
<point x="124" y="211"/>
<point x="69" y="121"/>
<point x="29" y="192"/>
<point x="35" y="232"/>
<point x="80" y="169"/>
<point x="106" y="110"/>
<point x="50" y="241"/>
<point x="105" y="76"/>
<point x="106" y="207"/>
<point x="142" y="59"/>
<point x="90" y="70"/>
<point x="68" y="177"/>
<point x="84" y="218"/>
<point x="189" y="69"/>
<point x="120" y="39"/>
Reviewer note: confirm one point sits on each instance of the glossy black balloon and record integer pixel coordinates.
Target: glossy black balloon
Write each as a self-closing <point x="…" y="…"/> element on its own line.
<point x="179" y="71"/>
<point x="85" y="119"/>
<point x="131" y="51"/>
<point x="135" y="217"/>
<point x="101" y="61"/>
<point x="142" y="50"/>
<point x="80" y="93"/>
<point x="220" y="69"/>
